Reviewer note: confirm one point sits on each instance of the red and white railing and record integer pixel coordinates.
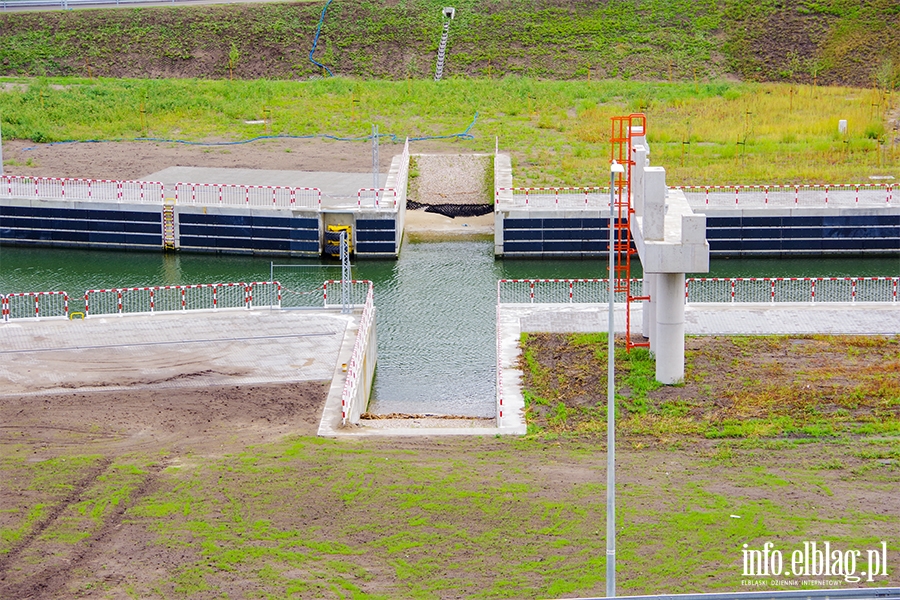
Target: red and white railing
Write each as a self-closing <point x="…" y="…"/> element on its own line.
<point x="551" y="197"/>
<point x="173" y="298"/>
<point x="708" y="289"/>
<point x="499" y="369"/>
<point x="558" y="291"/>
<point x="790" y="196"/>
<point x="155" y="192"/>
<point x="791" y="289"/>
<point x="713" y="196"/>
<point x="377" y="198"/>
<point x="358" y="291"/>
<point x="394" y="192"/>
<point x="256" y="196"/>
<point x="34" y="305"/>
<point x="88" y="190"/>
<point x="357" y="364"/>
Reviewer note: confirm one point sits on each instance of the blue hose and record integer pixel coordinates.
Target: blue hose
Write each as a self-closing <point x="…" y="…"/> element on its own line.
<point x="316" y="41"/>
<point x="465" y="135"/>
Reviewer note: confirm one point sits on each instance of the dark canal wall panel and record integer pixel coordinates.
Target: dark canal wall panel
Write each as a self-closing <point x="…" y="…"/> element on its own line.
<point x="731" y="233"/>
<point x="74" y="224"/>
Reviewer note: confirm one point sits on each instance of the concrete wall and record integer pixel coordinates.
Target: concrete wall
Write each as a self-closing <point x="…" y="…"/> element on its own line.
<point x="803" y="232"/>
<point x="360" y="401"/>
<point x="551" y="233"/>
<point x="739" y="232"/>
<point x="216" y="229"/>
<point x="80" y="224"/>
<point x="379" y="233"/>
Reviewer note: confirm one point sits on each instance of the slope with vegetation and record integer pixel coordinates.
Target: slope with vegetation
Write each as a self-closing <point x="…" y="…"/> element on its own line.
<point x="829" y="41"/>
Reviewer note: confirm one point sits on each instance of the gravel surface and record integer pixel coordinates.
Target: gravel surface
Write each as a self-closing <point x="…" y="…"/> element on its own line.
<point x="452" y="179"/>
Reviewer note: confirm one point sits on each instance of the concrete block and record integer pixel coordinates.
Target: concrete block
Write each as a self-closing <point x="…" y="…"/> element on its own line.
<point x="693" y="229"/>
<point x="654" y="203"/>
<point x="637" y="179"/>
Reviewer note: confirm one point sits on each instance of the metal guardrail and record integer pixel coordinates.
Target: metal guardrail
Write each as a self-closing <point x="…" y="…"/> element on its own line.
<point x="790" y="196"/>
<point x="387" y="197"/>
<point x="34" y="304"/>
<point x="708" y="289"/>
<point x="709" y="196"/>
<point x="551" y="197"/>
<point x="359" y="292"/>
<point x="559" y="291"/>
<point x="791" y="289"/>
<point x="357" y="359"/>
<point x="150" y="299"/>
<point x="87" y="190"/>
<point x="256" y="196"/>
<point x="167" y="298"/>
<point x="155" y="192"/>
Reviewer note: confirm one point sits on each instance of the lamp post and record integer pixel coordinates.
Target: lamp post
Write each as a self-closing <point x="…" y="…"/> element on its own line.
<point x="614" y="169"/>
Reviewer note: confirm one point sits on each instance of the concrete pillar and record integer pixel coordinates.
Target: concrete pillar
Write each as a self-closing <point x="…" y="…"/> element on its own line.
<point x="669" y="334"/>
<point x="637" y="180"/>
<point x="648" y="314"/>
<point x="654" y="220"/>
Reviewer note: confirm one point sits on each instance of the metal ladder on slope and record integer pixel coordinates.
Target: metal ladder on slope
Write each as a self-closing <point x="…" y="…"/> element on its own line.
<point x="442" y="50"/>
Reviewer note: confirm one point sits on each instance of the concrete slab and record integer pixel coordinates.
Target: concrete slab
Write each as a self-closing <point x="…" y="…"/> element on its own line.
<point x="740" y="318"/>
<point x="337" y="188"/>
<point x="163" y="350"/>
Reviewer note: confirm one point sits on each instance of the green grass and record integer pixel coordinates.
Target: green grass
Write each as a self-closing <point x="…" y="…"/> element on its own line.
<point x="831" y="40"/>
<point x="557" y="132"/>
<point x="479" y="518"/>
<point x="45" y="483"/>
<point x="315" y="518"/>
<point x="735" y="388"/>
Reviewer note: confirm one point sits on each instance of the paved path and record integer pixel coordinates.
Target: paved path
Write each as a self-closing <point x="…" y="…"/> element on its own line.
<point x="338" y="189"/>
<point x="720" y="319"/>
<point x="189" y="349"/>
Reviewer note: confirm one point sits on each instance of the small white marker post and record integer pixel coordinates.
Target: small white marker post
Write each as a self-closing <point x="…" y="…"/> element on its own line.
<point x="614" y="169"/>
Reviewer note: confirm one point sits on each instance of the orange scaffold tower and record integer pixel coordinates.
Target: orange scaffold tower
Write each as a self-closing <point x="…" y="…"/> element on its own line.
<point x="624" y="130"/>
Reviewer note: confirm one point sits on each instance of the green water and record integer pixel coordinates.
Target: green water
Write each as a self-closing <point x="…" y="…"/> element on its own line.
<point x="436" y="304"/>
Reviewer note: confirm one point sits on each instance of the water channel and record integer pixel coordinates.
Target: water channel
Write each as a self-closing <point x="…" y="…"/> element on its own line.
<point x="435" y="304"/>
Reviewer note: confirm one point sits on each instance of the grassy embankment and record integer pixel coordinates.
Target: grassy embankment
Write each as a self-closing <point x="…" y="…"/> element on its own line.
<point x="831" y="41"/>
<point x="557" y="132"/>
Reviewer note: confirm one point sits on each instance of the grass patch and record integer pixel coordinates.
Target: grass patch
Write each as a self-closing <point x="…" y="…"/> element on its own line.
<point x="791" y="136"/>
<point x="739" y="387"/>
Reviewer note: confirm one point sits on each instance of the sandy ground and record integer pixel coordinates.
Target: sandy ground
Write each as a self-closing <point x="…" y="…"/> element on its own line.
<point x="132" y="160"/>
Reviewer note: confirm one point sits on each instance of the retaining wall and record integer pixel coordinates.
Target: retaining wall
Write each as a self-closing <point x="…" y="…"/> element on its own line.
<point x="81" y="224"/>
<point x="242" y="231"/>
<point x="803" y="232"/>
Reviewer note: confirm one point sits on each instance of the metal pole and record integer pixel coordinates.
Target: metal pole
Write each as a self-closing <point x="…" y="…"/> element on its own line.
<point x="375" y="161"/>
<point x="1" y="146"/>
<point x="611" y="398"/>
<point x="345" y="273"/>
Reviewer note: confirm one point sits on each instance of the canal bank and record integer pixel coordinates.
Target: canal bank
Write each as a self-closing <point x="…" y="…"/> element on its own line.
<point x="436" y="317"/>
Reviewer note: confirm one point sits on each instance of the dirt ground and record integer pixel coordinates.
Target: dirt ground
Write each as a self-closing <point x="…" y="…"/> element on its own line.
<point x="133" y="160"/>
